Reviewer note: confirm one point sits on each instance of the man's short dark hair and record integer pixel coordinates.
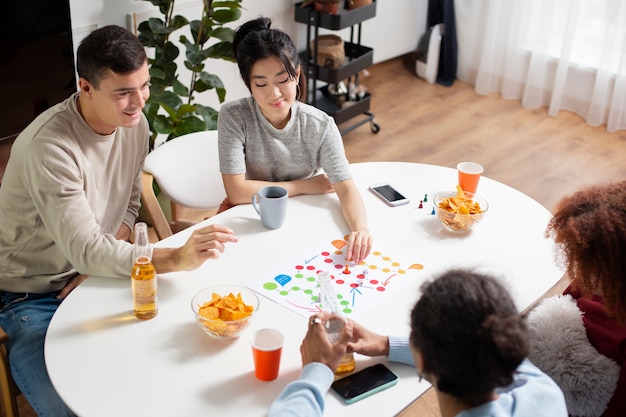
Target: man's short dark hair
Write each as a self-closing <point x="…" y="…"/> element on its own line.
<point x="109" y="47"/>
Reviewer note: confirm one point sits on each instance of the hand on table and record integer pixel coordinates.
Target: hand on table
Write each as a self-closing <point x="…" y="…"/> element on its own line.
<point x="317" y="348"/>
<point x="359" y="246"/>
<point x="366" y="342"/>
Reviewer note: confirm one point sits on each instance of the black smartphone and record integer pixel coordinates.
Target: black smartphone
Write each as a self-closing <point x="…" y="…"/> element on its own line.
<point x="388" y="194"/>
<point x="364" y="383"/>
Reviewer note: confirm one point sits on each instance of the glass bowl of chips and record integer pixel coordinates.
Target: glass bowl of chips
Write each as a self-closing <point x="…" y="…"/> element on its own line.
<point x="224" y="311"/>
<point x="460" y="211"/>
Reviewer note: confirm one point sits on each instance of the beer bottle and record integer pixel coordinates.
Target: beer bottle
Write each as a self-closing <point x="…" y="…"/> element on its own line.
<point x="334" y="327"/>
<point x="143" y="276"/>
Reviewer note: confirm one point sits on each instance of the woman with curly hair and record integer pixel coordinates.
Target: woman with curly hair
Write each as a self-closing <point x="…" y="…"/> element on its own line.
<point x="467" y="339"/>
<point x="579" y="338"/>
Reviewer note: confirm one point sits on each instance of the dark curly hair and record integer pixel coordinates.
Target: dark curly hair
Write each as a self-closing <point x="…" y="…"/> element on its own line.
<point x="256" y="40"/>
<point x="469" y="333"/>
<point x="589" y="228"/>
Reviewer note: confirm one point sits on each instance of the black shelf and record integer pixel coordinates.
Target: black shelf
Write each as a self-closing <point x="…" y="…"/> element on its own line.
<point x="358" y="57"/>
<point x="343" y="19"/>
<point x="341" y="115"/>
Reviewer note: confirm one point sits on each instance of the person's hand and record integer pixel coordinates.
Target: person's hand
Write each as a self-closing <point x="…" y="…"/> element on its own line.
<point x="319" y="184"/>
<point x="359" y="246"/>
<point x="317" y="348"/>
<point x="123" y="233"/>
<point x="204" y="243"/>
<point x="71" y="284"/>
<point x="366" y="342"/>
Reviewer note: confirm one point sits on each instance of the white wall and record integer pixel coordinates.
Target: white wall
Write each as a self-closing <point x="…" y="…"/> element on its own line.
<point x="393" y="32"/>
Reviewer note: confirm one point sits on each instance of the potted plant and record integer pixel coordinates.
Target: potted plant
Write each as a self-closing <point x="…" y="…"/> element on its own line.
<point x="172" y="109"/>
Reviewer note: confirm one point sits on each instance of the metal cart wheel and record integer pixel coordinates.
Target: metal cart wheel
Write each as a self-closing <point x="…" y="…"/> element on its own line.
<point x="375" y="127"/>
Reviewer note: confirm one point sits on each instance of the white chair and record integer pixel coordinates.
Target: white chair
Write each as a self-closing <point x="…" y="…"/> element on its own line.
<point x="187" y="171"/>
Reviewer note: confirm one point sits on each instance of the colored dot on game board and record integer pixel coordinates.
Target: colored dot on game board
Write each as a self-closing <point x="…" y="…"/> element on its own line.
<point x="381" y="289"/>
<point x="299" y="267"/>
<point x="338" y="252"/>
<point x="325" y="253"/>
<point x="401" y="271"/>
<point x="310" y="268"/>
<point x="294" y="288"/>
<point x="396" y="264"/>
<point x="360" y="276"/>
<point x="374" y="282"/>
<point x="373" y="267"/>
<point x="354" y="285"/>
<point x="376" y="253"/>
<point x="283" y="293"/>
<point x="386" y="258"/>
<point x="339" y="266"/>
<point x="308" y="291"/>
<point x="386" y="270"/>
<point x="328" y="261"/>
<point x="310" y="279"/>
<point x="270" y="286"/>
<point x="339" y="281"/>
<point x="298" y="275"/>
<point x="344" y="302"/>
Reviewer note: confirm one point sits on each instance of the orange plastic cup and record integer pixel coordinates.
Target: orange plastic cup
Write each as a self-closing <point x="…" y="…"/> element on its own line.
<point x="469" y="175"/>
<point x="267" y="346"/>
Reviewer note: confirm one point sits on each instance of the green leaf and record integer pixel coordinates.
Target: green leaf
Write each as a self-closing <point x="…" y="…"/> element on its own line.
<point x="223" y="34"/>
<point x="189" y="125"/>
<point x="221" y="50"/>
<point x="163" y="124"/>
<point x="180" y="89"/>
<point x="209" y="115"/>
<point x="225" y="16"/>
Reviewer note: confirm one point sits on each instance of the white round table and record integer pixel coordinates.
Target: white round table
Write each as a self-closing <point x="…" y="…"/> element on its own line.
<point x="105" y="362"/>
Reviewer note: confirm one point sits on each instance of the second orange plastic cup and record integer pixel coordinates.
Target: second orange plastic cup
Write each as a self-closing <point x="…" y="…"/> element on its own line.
<point x="267" y="346"/>
<point x="469" y="175"/>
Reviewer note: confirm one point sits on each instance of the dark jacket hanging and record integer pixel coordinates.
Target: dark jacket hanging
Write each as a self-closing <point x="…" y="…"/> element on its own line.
<point x="442" y="11"/>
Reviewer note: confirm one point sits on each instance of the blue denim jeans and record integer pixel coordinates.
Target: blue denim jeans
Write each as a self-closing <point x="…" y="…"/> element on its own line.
<point x="25" y="318"/>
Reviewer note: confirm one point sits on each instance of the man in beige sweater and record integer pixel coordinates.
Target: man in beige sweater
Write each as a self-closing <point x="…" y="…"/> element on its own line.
<point x="69" y="199"/>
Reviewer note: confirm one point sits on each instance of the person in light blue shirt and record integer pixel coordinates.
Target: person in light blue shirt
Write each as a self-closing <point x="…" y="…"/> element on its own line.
<point x="466" y="338"/>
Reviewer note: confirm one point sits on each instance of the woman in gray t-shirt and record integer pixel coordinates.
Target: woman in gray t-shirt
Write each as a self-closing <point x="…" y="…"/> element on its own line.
<point x="273" y="137"/>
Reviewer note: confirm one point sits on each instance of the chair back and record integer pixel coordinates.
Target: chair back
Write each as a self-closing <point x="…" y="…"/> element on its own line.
<point x="7" y="385"/>
<point x="187" y="170"/>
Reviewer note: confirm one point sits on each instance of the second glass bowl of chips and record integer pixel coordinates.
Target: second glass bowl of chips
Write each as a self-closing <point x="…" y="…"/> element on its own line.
<point x="460" y="211"/>
<point x="224" y="311"/>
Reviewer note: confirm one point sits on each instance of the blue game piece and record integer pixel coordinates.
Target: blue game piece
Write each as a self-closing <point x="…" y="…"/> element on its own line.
<point x="433" y="212"/>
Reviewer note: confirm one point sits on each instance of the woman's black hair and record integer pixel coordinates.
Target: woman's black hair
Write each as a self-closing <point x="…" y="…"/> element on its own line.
<point x="469" y="333"/>
<point x="255" y="40"/>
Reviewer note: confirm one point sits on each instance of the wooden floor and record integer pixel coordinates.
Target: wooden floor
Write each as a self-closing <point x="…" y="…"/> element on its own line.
<point x="545" y="157"/>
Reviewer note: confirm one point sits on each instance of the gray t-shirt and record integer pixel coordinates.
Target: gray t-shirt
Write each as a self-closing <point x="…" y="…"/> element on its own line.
<point x="310" y="142"/>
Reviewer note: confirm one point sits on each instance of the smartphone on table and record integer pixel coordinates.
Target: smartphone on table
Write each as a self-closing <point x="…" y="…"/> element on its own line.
<point x="388" y="194"/>
<point x="364" y="383"/>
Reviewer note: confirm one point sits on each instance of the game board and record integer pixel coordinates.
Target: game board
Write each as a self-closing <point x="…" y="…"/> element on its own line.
<point x="357" y="287"/>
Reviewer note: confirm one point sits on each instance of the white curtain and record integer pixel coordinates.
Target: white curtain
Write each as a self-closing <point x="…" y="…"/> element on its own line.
<point x="563" y="54"/>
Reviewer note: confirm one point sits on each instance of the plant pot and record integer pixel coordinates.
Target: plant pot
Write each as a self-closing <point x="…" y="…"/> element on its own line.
<point x="353" y="4"/>
<point x="330" y="8"/>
